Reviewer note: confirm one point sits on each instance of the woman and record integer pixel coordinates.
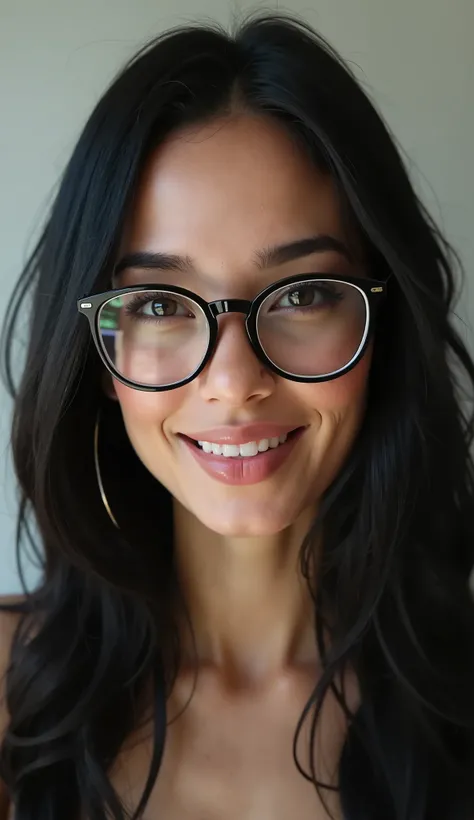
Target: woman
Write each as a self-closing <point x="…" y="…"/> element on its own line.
<point x="241" y="434"/>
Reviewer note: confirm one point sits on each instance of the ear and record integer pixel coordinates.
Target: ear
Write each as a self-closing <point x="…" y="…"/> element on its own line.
<point x="108" y="385"/>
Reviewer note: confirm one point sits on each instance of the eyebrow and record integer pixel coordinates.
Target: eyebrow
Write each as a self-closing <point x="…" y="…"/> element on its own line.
<point x="265" y="258"/>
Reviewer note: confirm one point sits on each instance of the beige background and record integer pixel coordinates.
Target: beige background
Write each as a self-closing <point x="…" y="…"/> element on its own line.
<point x="415" y="57"/>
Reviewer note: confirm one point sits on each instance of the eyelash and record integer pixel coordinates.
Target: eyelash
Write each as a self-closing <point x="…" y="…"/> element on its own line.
<point x="141" y="299"/>
<point x="328" y="290"/>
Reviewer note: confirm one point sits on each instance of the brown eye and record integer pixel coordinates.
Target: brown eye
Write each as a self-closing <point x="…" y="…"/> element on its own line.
<point x="149" y="305"/>
<point x="314" y="295"/>
<point x="164" y="307"/>
<point x="302" y="296"/>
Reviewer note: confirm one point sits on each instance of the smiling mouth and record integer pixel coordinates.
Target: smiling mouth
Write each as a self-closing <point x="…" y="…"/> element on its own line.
<point x="249" y="449"/>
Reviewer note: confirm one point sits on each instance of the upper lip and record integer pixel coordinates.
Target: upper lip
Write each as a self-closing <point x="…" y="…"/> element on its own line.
<point x="243" y="433"/>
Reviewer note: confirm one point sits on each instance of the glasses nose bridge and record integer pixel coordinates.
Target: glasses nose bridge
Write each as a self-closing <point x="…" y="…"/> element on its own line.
<point x="230" y="306"/>
<point x="244" y="307"/>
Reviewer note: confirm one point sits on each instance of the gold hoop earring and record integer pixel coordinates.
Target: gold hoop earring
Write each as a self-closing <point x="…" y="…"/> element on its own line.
<point x="97" y="472"/>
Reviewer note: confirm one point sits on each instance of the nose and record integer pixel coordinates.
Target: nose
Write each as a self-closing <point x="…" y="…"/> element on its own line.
<point x="234" y="374"/>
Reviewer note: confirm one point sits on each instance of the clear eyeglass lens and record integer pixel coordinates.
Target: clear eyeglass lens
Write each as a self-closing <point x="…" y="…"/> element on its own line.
<point x="314" y="327"/>
<point x="153" y="338"/>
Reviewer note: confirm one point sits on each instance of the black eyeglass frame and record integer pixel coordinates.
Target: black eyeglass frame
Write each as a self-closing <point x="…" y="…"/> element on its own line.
<point x="373" y="291"/>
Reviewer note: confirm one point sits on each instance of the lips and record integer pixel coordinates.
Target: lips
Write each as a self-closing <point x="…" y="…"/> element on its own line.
<point x="243" y="433"/>
<point x="242" y="470"/>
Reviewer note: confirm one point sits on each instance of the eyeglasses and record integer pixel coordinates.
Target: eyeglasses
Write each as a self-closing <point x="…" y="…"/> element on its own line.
<point x="306" y="328"/>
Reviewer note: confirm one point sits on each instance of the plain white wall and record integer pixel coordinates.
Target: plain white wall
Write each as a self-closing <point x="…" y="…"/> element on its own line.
<point x="415" y="57"/>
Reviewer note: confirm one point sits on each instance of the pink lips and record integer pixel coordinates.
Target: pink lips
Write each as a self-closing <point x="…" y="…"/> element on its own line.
<point x="243" y="433"/>
<point x="243" y="470"/>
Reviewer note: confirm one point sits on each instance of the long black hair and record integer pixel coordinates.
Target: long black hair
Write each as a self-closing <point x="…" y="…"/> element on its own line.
<point x="391" y="595"/>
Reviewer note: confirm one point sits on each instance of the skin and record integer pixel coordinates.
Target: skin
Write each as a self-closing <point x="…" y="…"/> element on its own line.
<point x="218" y="193"/>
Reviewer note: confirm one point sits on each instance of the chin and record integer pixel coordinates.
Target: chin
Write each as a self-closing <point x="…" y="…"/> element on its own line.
<point x="245" y="523"/>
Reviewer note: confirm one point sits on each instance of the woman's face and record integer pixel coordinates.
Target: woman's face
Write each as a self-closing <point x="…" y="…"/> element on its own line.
<point x="218" y="195"/>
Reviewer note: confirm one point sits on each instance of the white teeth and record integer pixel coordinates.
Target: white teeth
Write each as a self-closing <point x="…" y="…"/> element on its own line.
<point x="232" y="450"/>
<point x="250" y="448"/>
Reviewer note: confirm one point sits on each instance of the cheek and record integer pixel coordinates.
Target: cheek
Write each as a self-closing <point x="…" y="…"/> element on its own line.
<point x="339" y="406"/>
<point x="344" y="396"/>
<point x="349" y="391"/>
<point x="143" y="411"/>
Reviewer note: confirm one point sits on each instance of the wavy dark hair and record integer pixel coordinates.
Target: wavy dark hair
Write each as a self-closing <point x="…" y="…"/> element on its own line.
<point x="391" y="595"/>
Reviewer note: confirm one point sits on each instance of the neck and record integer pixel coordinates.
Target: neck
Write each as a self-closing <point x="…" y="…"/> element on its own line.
<point x="249" y="607"/>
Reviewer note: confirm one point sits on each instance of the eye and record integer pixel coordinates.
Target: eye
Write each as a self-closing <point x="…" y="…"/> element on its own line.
<point x="301" y="297"/>
<point x="164" y="306"/>
<point x="149" y="305"/>
<point x="308" y="295"/>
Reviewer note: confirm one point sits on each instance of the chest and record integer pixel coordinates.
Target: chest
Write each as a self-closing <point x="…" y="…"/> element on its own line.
<point x="233" y="760"/>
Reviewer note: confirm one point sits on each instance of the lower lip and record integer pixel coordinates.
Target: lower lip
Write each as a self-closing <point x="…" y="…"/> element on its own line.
<point x="244" y="470"/>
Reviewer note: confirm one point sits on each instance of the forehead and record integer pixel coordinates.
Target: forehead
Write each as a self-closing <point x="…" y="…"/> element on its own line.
<point x="220" y="191"/>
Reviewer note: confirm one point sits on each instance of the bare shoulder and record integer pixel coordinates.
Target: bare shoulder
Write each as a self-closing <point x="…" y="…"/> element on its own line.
<point x="9" y="620"/>
<point x="9" y="617"/>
